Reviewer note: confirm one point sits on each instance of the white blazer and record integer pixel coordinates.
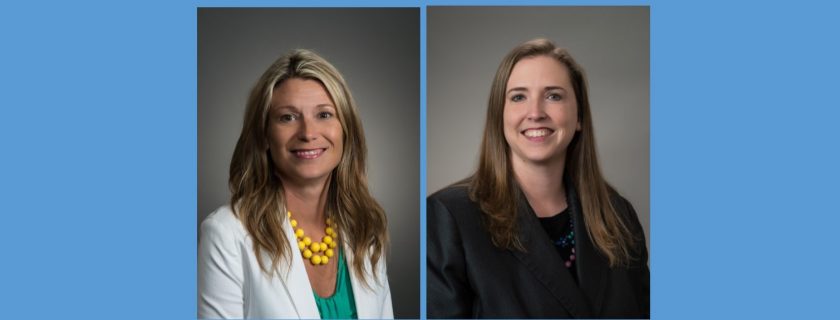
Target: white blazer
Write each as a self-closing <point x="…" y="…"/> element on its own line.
<point x="232" y="285"/>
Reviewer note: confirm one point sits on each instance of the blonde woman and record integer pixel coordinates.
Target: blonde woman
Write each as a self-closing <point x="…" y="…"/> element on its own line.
<point x="536" y="231"/>
<point x="302" y="236"/>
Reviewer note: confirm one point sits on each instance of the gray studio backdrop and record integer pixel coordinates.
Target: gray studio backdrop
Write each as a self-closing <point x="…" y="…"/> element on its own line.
<point x="465" y="46"/>
<point x="377" y="51"/>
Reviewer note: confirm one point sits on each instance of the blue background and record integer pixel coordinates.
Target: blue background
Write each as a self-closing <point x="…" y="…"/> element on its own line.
<point x="98" y="157"/>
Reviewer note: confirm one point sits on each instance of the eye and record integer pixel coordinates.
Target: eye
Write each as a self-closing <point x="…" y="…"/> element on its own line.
<point x="325" y="115"/>
<point x="517" y="97"/>
<point x="288" y="117"/>
<point x="554" y="97"/>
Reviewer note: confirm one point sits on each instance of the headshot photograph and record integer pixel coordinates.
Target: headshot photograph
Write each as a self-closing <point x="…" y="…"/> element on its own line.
<point x="308" y="163"/>
<point x="530" y="213"/>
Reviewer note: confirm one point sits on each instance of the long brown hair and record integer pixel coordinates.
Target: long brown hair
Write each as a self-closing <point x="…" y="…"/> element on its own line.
<point x="496" y="191"/>
<point x="257" y="191"/>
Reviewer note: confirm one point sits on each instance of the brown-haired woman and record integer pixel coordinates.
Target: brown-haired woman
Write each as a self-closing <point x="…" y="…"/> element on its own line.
<point x="536" y="231"/>
<point x="302" y="237"/>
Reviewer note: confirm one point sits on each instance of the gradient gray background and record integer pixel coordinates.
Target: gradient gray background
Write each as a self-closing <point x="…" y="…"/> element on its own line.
<point x="377" y="51"/>
<point x="465" y="46"/>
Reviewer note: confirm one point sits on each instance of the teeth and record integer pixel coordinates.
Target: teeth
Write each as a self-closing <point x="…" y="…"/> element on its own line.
<point x="536" y="133"/>
<point x="309" y="152"/>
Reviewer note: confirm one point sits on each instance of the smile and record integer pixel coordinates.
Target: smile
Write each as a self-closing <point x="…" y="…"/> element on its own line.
<point x="308" y="153"/>
<point x="537" y="134"/>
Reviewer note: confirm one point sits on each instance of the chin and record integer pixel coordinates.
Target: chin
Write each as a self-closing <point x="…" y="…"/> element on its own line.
<point x="315" y="175"/>
<point x="540" y="160"/>
<point x="307" y="175"/>
<point x="543" y="158"/>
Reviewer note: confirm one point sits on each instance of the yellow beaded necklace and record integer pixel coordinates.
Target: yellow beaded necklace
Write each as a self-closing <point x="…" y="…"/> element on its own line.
<point x="318" y="253"/>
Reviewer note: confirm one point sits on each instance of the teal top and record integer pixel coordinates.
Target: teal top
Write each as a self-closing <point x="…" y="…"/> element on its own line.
<point x="341" y="305"/>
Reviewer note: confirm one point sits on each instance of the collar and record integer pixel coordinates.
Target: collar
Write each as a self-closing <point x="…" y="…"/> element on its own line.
<point x="542" y="260"/>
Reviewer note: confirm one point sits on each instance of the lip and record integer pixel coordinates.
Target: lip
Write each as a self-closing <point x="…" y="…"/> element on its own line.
<point x="537" y="134"/>
<point x="308" y="154"/>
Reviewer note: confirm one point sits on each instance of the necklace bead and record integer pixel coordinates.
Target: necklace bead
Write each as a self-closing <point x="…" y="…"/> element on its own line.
<point x="568" y="241"/>
<point x="318" y="253"/>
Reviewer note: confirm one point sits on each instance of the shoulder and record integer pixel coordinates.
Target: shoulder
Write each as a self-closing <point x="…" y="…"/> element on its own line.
<point x="623" y="208"/>
<point x="618" y="201"/>
<point x="453" y="203"/>
<point x="451" y="210"/>
<point x="222" y="225"/>
<point x="625" y="211"/>
<point x="451" y="197"/>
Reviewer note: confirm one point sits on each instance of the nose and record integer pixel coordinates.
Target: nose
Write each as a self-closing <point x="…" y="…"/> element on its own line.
<point x="306" y="130"/>
<point x="536" y="111"/>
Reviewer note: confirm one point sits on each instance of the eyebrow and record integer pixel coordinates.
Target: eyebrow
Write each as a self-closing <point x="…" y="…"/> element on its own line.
<point x="319" y="106"/>
<point x="549" y="88"/>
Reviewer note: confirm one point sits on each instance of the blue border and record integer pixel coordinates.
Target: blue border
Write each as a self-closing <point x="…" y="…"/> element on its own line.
<point x="97" y="171"/>
<point x="423" y="162"/>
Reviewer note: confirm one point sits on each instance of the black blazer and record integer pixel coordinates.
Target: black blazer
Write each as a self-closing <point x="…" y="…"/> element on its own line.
<point x="468" y="277"/>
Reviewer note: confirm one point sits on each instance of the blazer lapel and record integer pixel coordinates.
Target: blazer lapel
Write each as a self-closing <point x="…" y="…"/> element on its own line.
<point x="296" y="283"/>
<point x="542" y="260"/>
<point x="592" y="267"/>
<point x="367" y="304"/>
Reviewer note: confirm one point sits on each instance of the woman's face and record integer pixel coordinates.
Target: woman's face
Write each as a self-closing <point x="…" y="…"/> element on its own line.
<point x="540" y="112"/>
<point x="305" y="136"/>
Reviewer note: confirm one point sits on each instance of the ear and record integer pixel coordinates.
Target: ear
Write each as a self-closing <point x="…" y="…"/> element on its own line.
<point x="577" y="126"/>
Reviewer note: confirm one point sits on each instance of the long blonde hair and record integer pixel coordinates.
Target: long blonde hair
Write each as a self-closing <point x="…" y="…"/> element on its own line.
<point x="257" y="191"/>
<point x="495" y="190"/>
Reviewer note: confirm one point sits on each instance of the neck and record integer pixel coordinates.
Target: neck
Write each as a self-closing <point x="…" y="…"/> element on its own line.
<point x="307" y="201"/>
<point x="542" y="185"/>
